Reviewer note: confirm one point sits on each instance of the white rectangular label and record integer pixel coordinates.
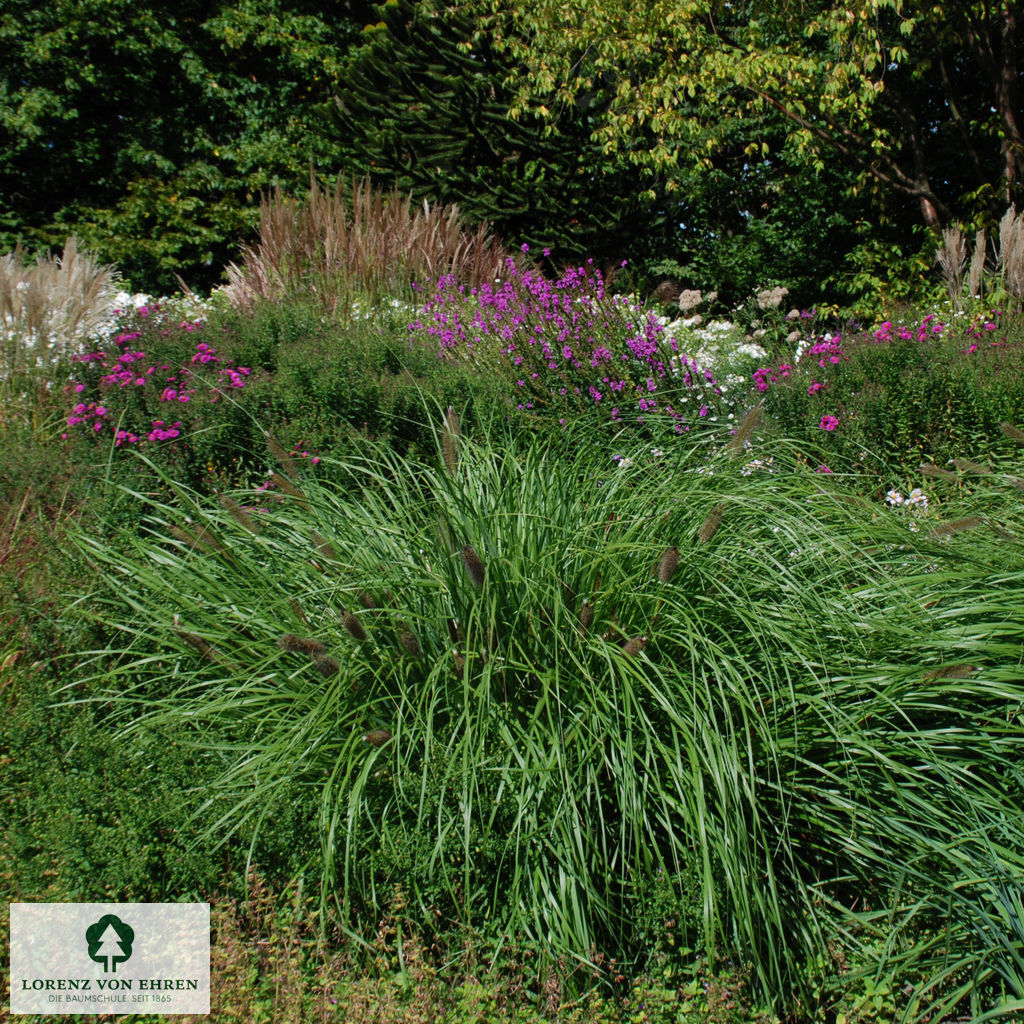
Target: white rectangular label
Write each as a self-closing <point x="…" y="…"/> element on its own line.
<point x="110" y="958"/>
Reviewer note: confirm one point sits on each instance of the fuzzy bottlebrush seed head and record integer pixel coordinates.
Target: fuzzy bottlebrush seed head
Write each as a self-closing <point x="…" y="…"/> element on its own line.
<point x="377" y="737"/>
<point x="325" y="665"/>
<point x="475" y="568"/>
<point x="282" y="456"/>
<point x="585" y="616"/>
<point x="929" y="469"/>
<point x="408" y="642"/>
<point x="668" y="564"/>
<point x="746" y="428"/>
<point x="634" y="646"/>
<point x="950" y="672"/>
<point x="957" y="526"/>
<point x="1012" y="432"/>
<point x="460" y="662"/>
<point x="353" y="626"/>
<point x="237" y="512"/>
<point x="323" y="547"/>
<point x="968" y="466"/>
<point x="711" y="524"/>
<point x="300" y="644"/>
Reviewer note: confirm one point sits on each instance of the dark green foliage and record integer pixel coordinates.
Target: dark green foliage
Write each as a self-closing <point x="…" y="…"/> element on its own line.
<point x="149" y="129"/>
<point x="423" y="105"/>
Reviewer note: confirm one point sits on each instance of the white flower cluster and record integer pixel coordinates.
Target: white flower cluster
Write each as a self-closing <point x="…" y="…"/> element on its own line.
<point x="916" y="503"/>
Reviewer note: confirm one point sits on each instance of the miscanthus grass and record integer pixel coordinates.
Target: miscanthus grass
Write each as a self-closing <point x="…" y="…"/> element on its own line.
<point x="507" y="713"/>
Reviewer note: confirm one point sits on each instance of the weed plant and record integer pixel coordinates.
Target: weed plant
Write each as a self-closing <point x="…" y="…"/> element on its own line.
<point x="540" y="698"/>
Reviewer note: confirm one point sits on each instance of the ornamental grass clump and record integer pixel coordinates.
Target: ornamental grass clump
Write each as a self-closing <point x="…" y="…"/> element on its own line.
<point x="50" y="308"/>
<point x="354" y="243"/>
<point x="728" y="693"/>
<point x="568" y="346"/>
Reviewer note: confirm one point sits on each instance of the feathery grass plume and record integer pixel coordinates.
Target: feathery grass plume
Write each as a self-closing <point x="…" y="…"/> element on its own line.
<point x="957" y="526"/>
<point x="634" y="645"/>
<point x="668" y="565"/>
<point x="1011" y="252"/>
<point x="1012" y="432"/>
<point x="1015" y="481"/>
<point x="952" y="259"/>
<point x="408" y="642"/>
<point x="353" y="626"/>
<point x="287" y="487"/>
<point x="969" y="466"/>
<point x="323" y="547"/>
<point x="449" y="440"/>
<point x="710" y="525"/>
<point x="237" y="512"/>
<point x="930" y="469"/>
<point x="474" y="566"/>
<point x="297" y="609"/>
<point x="950" y="672"/>
<point x="460" y="662"/>
<point x="377" y="737"/>
<point x="976" y="274"/>
<point x="325" y="665"/>
<point x="746" y="427"/>
<point x="285" y="459"/>
<point x="300" y="644"/>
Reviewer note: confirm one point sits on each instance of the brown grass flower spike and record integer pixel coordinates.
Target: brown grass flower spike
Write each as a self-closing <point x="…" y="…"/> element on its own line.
<point x="475" y="568"/>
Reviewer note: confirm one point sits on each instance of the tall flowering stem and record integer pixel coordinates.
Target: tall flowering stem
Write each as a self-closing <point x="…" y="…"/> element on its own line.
<point x="567" y="345"/>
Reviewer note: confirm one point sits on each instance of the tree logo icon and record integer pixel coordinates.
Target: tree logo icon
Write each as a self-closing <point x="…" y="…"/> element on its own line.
<point x="110" y="942"/>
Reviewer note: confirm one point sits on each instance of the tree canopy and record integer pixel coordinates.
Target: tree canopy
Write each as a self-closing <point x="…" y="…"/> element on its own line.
<point x="921" y="100"/>
<point x="149" y="129"/>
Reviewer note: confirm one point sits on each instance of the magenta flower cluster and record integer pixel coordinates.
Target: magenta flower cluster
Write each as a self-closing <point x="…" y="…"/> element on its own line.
<point x="565" y="343"/>
<point x="126" y="367"/>
<point x="929" y="327"/>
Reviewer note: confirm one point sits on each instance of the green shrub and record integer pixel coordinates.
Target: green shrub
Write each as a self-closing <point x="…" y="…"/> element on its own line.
<point x="903" y="395"/>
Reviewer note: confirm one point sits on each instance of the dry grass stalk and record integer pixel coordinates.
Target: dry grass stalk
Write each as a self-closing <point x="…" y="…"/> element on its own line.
<point x="957" y="526"/>
<point x="968" y="466"/>
<point x="202" y="540"/>
<point x="1012" y="432"/>
<point x="710" y="525"/>
<point x="49" y="307"/>
<point x="358" y="235"/>
<point x="297" y="609"/>
<point x="668" y="564"/>
<point x="747" y="427"/>
<point x="377" y="737"/>
<point x="929" y="469"/>
<point x="205" y="648"/>
<point x="475" y="568"/>
<point x="353" y="626"/>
